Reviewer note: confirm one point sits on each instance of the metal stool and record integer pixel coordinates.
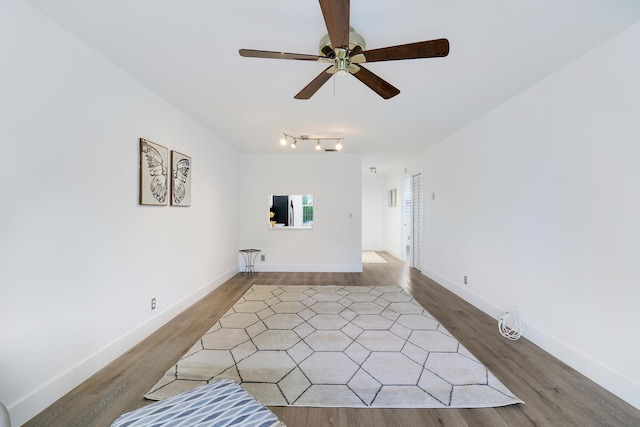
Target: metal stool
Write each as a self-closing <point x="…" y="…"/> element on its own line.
<point x="249" y="259"/>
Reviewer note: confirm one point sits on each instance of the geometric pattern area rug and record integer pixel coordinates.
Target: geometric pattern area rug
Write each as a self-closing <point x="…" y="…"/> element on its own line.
<point x="371" y="257"/>
<point x="336" y="346"/>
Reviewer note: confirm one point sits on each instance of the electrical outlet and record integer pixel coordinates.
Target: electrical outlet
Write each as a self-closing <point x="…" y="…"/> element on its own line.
<point x="465" y="280"/>
<point x="262" y="257"/>
<point x="153" y="303"/>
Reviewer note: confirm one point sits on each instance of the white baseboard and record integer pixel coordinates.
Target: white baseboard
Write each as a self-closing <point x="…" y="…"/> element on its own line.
<point x="463" y="292"/>
<point x="29" y="406"/>
<point x="618" y="384"/>
<point x="309" y="268"/>
<point x="395" y="253"/>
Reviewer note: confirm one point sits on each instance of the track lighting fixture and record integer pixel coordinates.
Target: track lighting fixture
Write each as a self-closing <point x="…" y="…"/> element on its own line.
<point x="293" y="141"/>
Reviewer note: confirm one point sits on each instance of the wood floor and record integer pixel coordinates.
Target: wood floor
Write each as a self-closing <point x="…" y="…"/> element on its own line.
<point x="554" y="394"/>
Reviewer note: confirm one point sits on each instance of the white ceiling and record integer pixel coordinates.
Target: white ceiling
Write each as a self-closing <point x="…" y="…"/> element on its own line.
<point x="187" y="52"/>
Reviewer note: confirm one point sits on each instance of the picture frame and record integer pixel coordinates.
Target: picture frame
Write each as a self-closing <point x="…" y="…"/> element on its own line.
<point x="391" y="194"/>
<point x="154" y="178"/>
<point x="180" y="179"/>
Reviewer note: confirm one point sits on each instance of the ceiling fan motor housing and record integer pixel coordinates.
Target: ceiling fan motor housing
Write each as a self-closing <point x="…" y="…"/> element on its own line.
<point x="355" y="40"/>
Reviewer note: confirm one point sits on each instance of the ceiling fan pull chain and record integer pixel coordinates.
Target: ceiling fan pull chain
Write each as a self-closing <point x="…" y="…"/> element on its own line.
<point x="334" y="84"/>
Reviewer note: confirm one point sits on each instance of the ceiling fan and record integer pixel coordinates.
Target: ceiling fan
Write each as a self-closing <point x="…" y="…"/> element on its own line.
<point x="344" y="50"/>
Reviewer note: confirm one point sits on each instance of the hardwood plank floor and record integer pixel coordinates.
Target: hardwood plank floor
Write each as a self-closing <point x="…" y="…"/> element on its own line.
<point x="554" y="393"/>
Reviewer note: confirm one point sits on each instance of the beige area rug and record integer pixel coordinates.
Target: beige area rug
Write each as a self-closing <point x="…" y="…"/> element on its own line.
<point x="370" y="257"/>
<point x="336" y="346"/>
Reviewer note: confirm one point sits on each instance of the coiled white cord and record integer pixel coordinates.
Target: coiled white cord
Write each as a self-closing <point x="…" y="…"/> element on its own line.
<point x="510" y="325"/>
<point x="4" y="416"/>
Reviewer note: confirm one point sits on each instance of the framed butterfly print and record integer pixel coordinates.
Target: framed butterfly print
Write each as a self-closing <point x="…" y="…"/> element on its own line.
<point x="154" y="178"/>
<point x="180" y="179"/>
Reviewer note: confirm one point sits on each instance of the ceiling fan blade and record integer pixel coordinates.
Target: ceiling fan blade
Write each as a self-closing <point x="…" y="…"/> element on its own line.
<point x="315" y="84"/>
<point x="250" y="53"/>
<point x="374" y="82"/>
<point x="336" y="18"/>
<point x="426" y="49"/>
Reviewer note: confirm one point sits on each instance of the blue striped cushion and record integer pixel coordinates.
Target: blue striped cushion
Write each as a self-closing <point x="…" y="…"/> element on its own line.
<point x="219" y="404"/>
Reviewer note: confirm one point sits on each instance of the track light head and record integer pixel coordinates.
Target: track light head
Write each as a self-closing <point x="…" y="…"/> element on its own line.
<point x="318" y="146"/>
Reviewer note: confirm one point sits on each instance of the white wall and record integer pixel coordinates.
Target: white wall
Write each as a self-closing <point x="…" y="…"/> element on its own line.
<point x="334" y="180"/>
<point x="538" y="203"/>
<point x="80" y="260"/>
<point x="374" y="202"/>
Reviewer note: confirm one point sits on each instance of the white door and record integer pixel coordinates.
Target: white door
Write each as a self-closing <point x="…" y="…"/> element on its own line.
<point x="416" y="259"/>
<point x="407" y="220"/>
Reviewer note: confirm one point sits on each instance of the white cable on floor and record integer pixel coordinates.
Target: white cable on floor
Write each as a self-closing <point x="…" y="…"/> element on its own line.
<point x="510" y="325"/>
<point x="4" y="416"/>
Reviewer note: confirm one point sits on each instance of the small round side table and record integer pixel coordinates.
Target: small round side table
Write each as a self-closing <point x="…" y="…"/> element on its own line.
<point x="249" y="260"/>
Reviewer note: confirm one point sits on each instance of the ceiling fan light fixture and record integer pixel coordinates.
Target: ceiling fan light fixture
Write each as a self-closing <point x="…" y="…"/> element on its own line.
<point x="342" y="62"/>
